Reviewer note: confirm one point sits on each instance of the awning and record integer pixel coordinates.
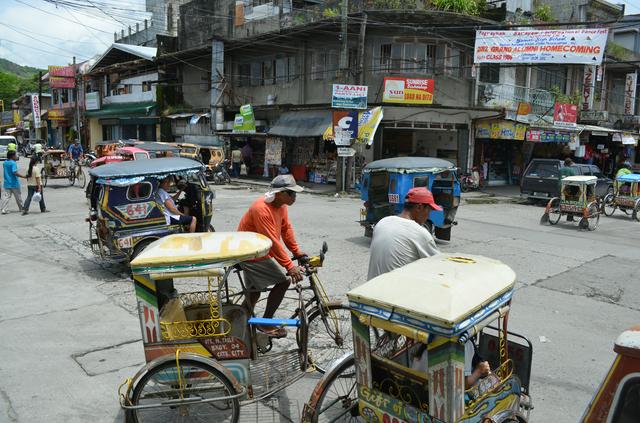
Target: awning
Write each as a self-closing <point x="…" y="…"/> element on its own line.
<point x="303" y="123"/>
<point x="123" y="110"/>
<point x="180" y="116"/>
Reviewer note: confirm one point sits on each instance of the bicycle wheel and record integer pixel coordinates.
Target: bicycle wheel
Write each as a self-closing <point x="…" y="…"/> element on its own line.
<point x="329" y="335"/>
<point x="608" y="205"/>
<point x="43" y="178"/>
<point x="554" y="211"/>
<point x="594" y="216"/>
<point x="72" y="177"/>
<point x="337" y="394"/>
<point x="199" y="380"/>
<point x="82" y="179"/>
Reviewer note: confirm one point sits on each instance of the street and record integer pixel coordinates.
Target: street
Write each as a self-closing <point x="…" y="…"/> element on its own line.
<point x="71" y="334"/>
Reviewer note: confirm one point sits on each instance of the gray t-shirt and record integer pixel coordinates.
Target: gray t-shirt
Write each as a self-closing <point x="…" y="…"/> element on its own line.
<point x="396" y="242"/>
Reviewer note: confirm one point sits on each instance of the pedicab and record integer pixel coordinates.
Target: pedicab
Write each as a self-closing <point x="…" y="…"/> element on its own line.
<point x="55" y="165"/>
<point x="625" y="197"/>
<point x="386" y="182"/>
<point x="205" y="356"/>
<point x="415" y="330"/>
<point x="617" y="399"/>
<point x="577" y="199"/>
<point x="125" y="214"/>
<point x="107" y="148"/>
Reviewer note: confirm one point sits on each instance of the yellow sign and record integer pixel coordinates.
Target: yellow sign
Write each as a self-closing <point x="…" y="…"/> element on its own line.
<point x="501" y="130"/>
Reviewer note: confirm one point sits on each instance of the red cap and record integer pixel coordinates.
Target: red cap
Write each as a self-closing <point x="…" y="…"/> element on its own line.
<point x="421" y="195"/>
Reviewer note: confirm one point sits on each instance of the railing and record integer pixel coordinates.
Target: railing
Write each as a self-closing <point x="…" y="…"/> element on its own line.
<point x="504" y="96"/>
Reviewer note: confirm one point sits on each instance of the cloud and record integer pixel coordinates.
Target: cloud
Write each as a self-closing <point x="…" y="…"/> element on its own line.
<point x="37" y="38"/>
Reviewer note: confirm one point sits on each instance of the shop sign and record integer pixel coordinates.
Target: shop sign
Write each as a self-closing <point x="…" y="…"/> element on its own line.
<point x="630" y="93"/>
<point x="62" y="71"/>
<point x="60" y="82"/>
<point x="501" y="130"/>
<point x="625" y="138"/>
<point x="244" y="122"/>
<point x="594" y="115"/>
<point x="345" y="127"/>
<point x="539" y="135"/>
<point x="273" y="151"/>
<point x="6" y="118"/>
<point x="346" y="152"/>
<point x="600" y="147"/>
<point x="577" y="46"/>
<point x="56" y="114"/>
<point x="35" y="111"/>
<point x="588" y="85"/>
<point x="565" y="115"/>
<point x="368" y="122"/>
<point x="16" y="117"/>
<point x="349" y="96"/>
<point x="92" y="101"/>
<point x="408" y="90"/>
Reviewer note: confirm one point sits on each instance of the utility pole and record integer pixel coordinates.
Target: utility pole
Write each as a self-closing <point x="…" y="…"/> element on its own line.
<point x="341" y="183"/>
<point x="77" y="108"/>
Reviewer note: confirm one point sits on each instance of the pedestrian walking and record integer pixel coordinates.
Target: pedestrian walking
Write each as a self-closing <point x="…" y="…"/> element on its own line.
<point x="34" y="185"/>
<point x="11" y="184"/>
<point x="236" y="161"/>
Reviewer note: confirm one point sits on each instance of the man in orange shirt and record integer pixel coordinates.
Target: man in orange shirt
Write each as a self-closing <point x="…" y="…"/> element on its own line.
<point x="268" y="216"/>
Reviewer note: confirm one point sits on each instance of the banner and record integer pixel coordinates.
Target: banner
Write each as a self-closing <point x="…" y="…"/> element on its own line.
<point x="92" y="101"/>
<point x="588" y="86"/>
<point x="630" y="94"/>
<point x="540" y="135"/>
<point x="501" y="130"/>
<point x="345" y="127"/>
<point x="577" y="46"/>
<point x="56" y="114"/>
<point x="35" y="111"/>
<point x="349" y="96"/>
<point x="565" y="115"/>
<point x="408" y="90"/>
<point x="60" y="82"/>
<point x="368" y="122"/>
<point x="244" y="123"/>
<point x="62" y="71"/>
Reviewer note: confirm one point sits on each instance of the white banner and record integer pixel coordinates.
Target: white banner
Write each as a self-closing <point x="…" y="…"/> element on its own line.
<point x="577" y="46"/>
<point x="35" y="111"/>
<point x="588" y="86"/>
<point x="630" y="94"/>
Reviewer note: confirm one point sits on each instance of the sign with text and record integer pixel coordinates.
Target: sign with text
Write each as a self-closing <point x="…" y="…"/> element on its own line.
<point x="630" y="93"/>
<point x="577" y="46"/>
<point x="92" y="101"/>
<point x="408" y="90"/>
<point x="56" y="114"/>
<point x="273" y="151"/>
<point x="500" y="130"/>
<point x="349" y="96"/>
<point x="244" y="122"/>
<point x="62" y="71"/>
<point x="35" y="111"/>
<point x="594" y="115"/>
<point x="565" y="115"/>
<point x="346" y="152"/>
<point x="60" y="82"/>
<point x="588" y="86"/>
<point x="345" y="127"/>
<point x="540" y="135"/>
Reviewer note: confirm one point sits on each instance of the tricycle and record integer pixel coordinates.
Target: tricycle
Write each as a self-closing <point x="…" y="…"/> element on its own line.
<point x="57" y="166"/>
<point x="417" y="332"/>
<point x="125" y="213"/>
<point x="205" y="356"/>
<point x="625" y="197"/>
<point x="385" y="184"/>
<point x="577" y="199"/>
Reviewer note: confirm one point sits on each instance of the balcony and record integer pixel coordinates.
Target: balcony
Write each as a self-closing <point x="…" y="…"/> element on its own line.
<point x="504" y="96"/>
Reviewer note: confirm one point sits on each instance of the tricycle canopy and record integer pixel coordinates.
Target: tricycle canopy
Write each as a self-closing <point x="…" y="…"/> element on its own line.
<point x="580" y="180"/>
<point x="188" y="252"/>
<point x="410" y="165"/>
<point x="445" y="294"/>
<point x="630" y="177"/>
<point x="132" y="172"/>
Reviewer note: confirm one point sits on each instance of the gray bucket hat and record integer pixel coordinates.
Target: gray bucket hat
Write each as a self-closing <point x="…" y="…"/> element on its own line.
<point x="285" y="183"/>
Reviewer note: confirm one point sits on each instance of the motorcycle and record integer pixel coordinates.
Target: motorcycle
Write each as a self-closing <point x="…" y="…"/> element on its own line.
<point x="220" y="173"/>
<point x="470" y="181"/>
<point x="89" y="158"/>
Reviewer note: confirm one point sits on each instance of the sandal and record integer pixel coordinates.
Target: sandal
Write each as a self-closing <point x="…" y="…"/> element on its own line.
<point x="273" y="332"/>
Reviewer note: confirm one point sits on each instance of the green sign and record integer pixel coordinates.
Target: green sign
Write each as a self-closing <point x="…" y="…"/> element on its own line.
<point x="244" y="123"/>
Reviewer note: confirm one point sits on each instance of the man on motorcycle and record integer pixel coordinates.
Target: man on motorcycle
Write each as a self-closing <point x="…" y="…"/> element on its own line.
<point x="268" y="216"/>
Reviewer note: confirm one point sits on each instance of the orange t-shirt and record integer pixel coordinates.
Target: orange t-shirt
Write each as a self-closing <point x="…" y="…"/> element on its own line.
<point x="272" y="222"/>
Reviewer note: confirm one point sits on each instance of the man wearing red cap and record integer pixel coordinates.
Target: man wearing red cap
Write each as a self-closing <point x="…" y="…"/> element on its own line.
<point x="402" y="239"/>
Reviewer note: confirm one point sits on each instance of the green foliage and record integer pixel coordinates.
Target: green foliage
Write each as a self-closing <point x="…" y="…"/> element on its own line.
<point x="563" y="98"/>
<point x="467" y="7"/>
<point x="18" y="70"/>
<point x="299" y="19"/>
<point x="543" y="13"/>
<point x="331" y="12"/>
<point x="13" y="86"/>
<point x="394" y="4"/>
<point x="617" y="51"/>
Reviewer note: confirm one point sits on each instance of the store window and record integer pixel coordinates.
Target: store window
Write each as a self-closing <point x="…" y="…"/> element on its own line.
<point x="490" y="72"/>
<point x="552" y="76"/>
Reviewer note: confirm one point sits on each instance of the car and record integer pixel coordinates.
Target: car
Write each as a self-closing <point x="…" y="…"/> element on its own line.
<point x="5" y="140"/>
<point x="540" y="181"/>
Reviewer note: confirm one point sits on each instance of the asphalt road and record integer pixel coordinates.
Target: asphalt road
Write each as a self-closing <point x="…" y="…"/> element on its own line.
<point x="70" y="334"/>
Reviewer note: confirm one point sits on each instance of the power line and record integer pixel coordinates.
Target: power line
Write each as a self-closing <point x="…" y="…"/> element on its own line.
<point x="58" y="16"/>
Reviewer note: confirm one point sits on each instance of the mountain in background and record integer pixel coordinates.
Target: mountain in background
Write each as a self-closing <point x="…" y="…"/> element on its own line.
<point x="8" y="66"/>
<point x="16" y="80"/>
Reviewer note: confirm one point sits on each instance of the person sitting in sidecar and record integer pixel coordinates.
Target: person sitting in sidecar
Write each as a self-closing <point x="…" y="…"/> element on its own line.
<point x="171" y="212"/>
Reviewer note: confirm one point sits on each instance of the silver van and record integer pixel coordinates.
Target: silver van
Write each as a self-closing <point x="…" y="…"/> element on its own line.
<point x="5" y="140"/>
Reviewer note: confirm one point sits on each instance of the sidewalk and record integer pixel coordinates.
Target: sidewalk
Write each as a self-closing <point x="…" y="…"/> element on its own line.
<point x="493" y="195"/>
<point x="311" y="188"/>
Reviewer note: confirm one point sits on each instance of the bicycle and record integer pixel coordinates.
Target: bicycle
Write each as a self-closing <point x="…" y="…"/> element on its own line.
<point x="76" y="172"/>
<point x="329" y="334"/>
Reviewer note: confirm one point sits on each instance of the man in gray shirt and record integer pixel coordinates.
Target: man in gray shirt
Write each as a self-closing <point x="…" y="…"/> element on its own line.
<point x="400" y="240"/>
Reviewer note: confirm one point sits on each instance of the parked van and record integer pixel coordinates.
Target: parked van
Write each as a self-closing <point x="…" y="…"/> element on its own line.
<point x="5" y="140"/>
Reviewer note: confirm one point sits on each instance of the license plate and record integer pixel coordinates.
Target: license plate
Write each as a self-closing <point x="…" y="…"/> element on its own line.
<point x="125" y="242"/>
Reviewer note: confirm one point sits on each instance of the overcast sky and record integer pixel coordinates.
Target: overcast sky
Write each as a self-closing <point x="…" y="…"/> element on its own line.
<point x="53" y="35"/>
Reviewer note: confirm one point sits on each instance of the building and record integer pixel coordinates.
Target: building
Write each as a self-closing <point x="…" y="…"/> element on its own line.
<point x="164" y="22"/>
<point x="122" y="95"/>
<point x="24" y="126"/>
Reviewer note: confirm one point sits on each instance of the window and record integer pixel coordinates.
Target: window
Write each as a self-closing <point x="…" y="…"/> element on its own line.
<point x="244" y="74"/>
<point x="421" y="181"/>
<point x="318" y="65"/>
<point x="256" y="74"/>
<point x="140" y="191"/>
<point x="146" y="86"/>
<point x="627" y="408"/>
<point x="268" y="72"/>
<point x="332" y="64"/>
<point x="456" y="62"/>
<point x="140" y="156"/>
<point x="64" y="96"/>
<point x="293" y="69"/>
<point x="490" y="72"/>
<point x="552" y="76"/>
<point x="384" y="58"/>
<point x="281" y="70"/>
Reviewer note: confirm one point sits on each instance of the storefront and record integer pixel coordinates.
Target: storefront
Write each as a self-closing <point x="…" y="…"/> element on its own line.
<point x="499" y="151"/>
<point x="123" y="121"/>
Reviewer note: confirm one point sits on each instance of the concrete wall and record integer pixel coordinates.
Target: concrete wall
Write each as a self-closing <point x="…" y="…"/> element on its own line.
<point x="629" y="40"/>
<point x="95" y="132"/>
<point x="196" y="84"/>
<point x="137" y="95"/>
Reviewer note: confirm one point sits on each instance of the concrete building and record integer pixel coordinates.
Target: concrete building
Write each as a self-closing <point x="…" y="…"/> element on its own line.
<point x="121" y="95"/>
<point x="164" y="20"/>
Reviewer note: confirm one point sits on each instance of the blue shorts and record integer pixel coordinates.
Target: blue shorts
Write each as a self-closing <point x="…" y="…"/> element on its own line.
<point x="183" y="220"/>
